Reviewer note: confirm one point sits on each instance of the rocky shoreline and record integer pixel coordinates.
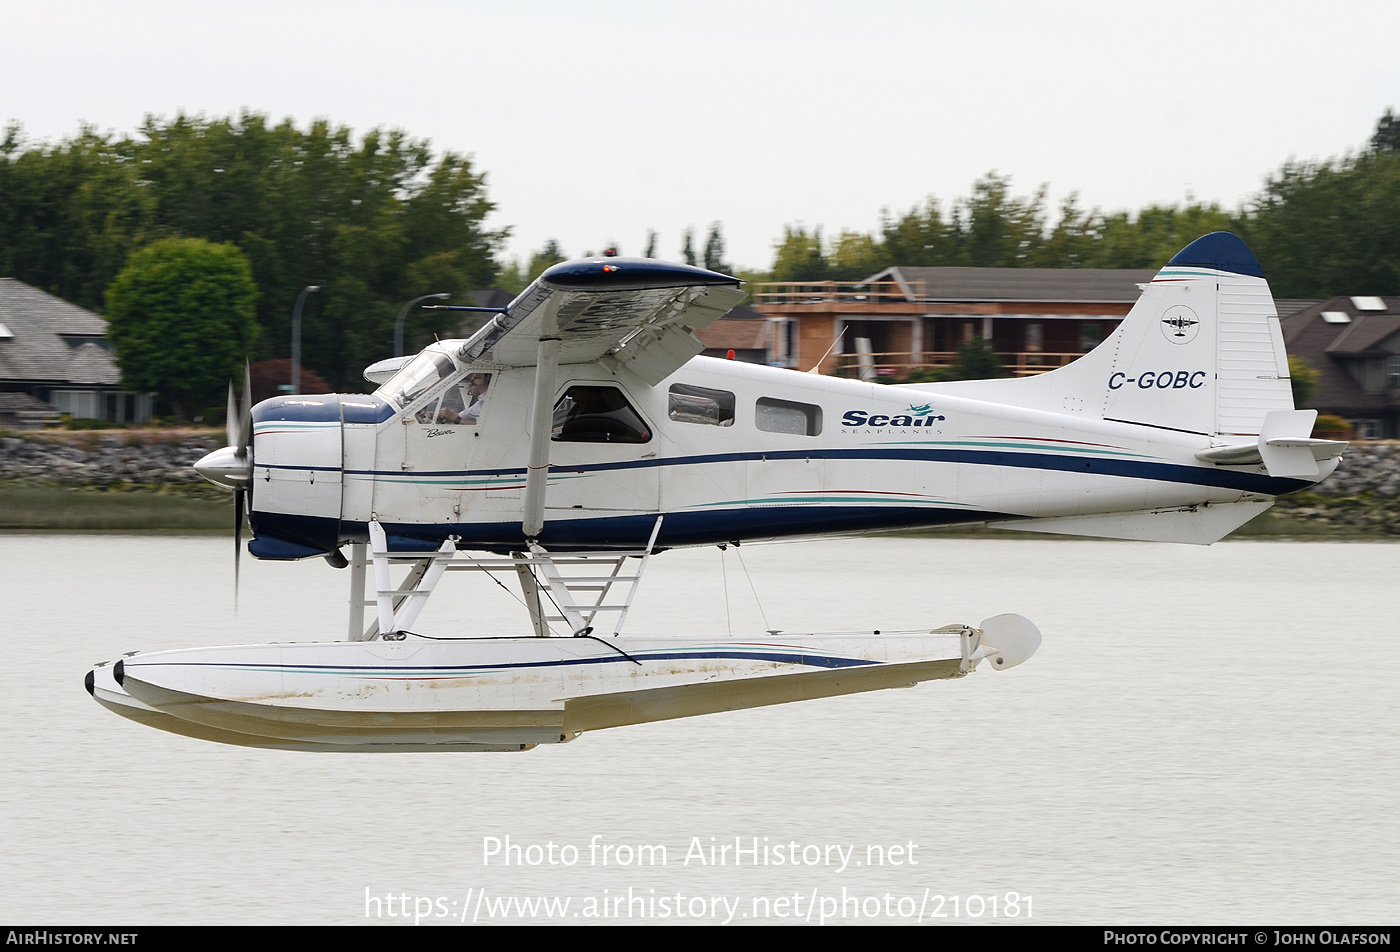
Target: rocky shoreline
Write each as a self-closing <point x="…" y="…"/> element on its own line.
<point x="110" y="460"/>
<point x="1362" y="498"/>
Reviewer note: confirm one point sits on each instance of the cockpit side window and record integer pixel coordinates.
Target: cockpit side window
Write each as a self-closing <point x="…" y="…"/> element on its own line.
<point x="416" y="378"/>
<point x="597" y="414"/>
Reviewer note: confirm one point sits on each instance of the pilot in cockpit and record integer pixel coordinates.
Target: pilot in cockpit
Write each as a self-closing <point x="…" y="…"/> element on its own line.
<point x="452" y="410"/>
<point x="476" y="396"/>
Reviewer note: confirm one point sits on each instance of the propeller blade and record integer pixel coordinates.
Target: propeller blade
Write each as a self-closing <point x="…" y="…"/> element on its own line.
<point x="231" y="425"/>
<point x="245" y="419"/>
<point x="238" y="495"/>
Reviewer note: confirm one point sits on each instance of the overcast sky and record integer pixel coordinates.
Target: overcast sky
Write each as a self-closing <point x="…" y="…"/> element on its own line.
<point x="597" y="121"/>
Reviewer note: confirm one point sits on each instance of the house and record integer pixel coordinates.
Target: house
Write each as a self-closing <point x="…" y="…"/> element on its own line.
<point x="744" y="331"/>
<point x="1354" y="345"/>
<point x="916" y="318"/>
<point x="55" y="358"/>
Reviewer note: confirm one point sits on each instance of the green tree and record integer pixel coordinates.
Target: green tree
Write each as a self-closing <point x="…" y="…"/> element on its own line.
<point x="800" y="256"/>
<point x="1328" y="228"/>
<point x="183" y="318"/>
<point x="70" y="214"/>
<point x="545" y="258"/>
<point x="1387" y="137"/>
<point x="920" y="238"/>
<point x="1303" y="377"/>
<point x="854" y="256"/>
<point x="1072" y="243"/>
<point x="714" y="251"/>
<point x="976" y="361"/>
<point x="375" y="220"/>
<point x="688" y="248"/>
<point x="1000" y="231"/>
<point x="511" y="277"/>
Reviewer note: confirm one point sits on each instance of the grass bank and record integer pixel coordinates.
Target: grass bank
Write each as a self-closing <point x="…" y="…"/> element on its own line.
<point x="29" y="507"/>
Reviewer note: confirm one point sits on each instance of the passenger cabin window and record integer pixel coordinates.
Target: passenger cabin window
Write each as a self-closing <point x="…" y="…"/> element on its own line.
<point x="689" y="404"/>
<point x="590" y="414"/>
<point x="784" y="416"/>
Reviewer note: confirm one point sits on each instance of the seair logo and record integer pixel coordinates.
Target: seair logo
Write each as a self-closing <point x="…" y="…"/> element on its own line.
<point x="919" y="415"/>
<point x="1163" y="380"/>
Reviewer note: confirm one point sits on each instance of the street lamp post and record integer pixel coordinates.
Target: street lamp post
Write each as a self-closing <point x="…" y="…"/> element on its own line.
<point x="296" y="335"/>
<point x="403" y="312"/>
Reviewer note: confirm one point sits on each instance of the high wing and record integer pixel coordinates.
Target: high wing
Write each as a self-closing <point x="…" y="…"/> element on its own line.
<point x="637" y="311"/>
<point x="640" y="311"/>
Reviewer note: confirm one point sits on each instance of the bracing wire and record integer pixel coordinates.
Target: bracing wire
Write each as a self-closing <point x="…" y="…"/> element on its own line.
<point x="550" y="593"/>
<point x="757" y="600"/>
<point x="724" y="578"/>
<point x="505" y="588"/>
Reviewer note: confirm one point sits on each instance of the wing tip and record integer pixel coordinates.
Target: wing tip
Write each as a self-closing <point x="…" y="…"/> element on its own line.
<point x="629" y="274"/>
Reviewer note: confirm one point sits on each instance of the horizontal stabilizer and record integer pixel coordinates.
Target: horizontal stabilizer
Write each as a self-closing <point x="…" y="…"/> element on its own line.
<point x="1283" y="443"/>
<point x="1197" y="525"/>
<point x="1246" y="454"/>
<point x="1283" y="447"/>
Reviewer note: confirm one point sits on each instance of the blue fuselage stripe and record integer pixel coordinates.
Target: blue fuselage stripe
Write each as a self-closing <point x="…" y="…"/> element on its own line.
<point x="1132" y="469"/>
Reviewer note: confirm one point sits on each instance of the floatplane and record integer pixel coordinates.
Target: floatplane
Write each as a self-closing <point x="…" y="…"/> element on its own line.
<point x="577" y="434"/>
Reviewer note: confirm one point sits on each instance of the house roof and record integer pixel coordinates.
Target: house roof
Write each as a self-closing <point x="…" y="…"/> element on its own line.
<point x="1364" y="333"/>
<point x="1070" y="285"/>
<point x="1287" y="307"/>
<point x="743" y="328"/>
<point x="1326" y="346"/>
<point x="53" y="341"/>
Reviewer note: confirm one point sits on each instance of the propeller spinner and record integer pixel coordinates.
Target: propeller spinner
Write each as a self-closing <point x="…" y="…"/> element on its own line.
<point x="232" y="466"/>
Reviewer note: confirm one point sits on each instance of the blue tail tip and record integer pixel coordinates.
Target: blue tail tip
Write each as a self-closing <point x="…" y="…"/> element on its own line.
<point x="1223" y="252"/>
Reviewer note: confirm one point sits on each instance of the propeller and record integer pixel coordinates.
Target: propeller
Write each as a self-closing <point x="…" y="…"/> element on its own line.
<point x="232" y="466"/>
<point x="242" y="442"/>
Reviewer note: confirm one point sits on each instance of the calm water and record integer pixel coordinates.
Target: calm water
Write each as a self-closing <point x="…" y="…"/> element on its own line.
<point x="1207" y="736"/>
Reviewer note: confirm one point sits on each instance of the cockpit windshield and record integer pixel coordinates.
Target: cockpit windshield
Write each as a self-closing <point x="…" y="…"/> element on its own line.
<point x="416" y="378"/>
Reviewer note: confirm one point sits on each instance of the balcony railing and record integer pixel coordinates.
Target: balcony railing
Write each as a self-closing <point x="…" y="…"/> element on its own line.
<point x="818" y="292"/>
<point x="902" y="363"/>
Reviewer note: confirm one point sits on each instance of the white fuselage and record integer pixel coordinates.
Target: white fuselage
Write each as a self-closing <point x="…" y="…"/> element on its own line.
<point x="801" y="455"/>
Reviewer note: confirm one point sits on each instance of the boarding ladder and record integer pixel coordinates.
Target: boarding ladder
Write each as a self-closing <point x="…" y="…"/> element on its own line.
<point x="572" y="589"/>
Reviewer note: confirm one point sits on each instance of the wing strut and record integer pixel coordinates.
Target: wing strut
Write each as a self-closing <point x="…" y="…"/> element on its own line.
<point x="541" y="427"/>
<point x="400" y="607"/>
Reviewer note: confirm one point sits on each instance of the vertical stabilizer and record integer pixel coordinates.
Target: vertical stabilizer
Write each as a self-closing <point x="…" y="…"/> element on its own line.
<point x="1201" y="352"/>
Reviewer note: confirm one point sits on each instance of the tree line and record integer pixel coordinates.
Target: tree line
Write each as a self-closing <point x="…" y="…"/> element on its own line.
<point x="377" y="220"/>
<point x="373" y="222"/>
<point x="1318" y="229"/>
